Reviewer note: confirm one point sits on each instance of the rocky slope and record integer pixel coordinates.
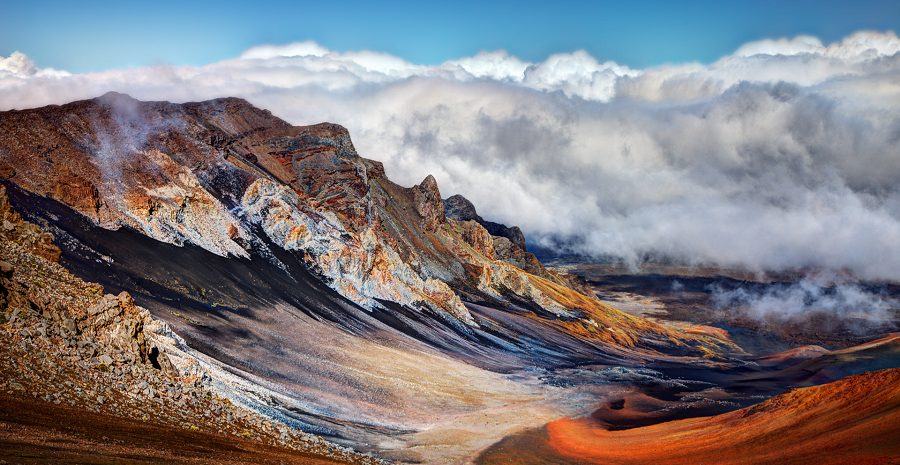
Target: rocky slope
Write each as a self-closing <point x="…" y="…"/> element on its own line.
<point x="506" y="244"/>
<point x="64" y="343"/>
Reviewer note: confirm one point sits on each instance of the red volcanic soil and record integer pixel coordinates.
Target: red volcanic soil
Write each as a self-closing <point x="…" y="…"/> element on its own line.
<point x="852" y="421"/>
<point x="37" y="432"/>
<point x="793" y="356"/>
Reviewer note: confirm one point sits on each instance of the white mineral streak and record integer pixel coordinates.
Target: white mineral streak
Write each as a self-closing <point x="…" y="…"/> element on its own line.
<point x="183" y="211"/>
<point x="360" y="266"/>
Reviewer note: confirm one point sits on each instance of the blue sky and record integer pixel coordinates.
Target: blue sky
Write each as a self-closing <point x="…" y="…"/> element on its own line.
<point x="98" y="35"/>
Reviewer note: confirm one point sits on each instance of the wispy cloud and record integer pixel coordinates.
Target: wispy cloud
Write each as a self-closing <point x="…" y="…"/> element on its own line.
<point x="813" y="295"/>
<point x="784" y="154"/>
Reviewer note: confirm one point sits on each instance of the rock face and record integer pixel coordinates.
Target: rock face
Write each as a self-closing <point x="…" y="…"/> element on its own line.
<point x="509" y="245"/>
<point x="460" y="208"/>
<point x="429" y="205"/>
<point x="116" y="322"/>
<point x="28" y="235"/>
<point x="475" y="235"/>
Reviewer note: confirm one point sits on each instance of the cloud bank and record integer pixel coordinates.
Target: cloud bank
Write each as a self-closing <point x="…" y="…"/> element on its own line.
<point x="782" y="155"/>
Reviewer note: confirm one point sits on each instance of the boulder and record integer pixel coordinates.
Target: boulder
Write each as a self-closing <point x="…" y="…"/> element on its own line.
<point x="117" y="323"/>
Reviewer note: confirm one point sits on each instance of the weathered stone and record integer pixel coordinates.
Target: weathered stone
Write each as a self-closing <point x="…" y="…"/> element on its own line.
<point x="476" y="236"/>
<point x="429" y="205"/>
<point x="459" y="208"/>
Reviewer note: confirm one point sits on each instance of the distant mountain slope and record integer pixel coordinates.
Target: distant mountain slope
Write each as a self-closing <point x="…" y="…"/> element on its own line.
<point x="854" y="420"/>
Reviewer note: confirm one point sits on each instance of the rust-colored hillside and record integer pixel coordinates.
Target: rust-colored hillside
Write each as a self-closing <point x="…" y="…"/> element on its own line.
<point x="852" y="421"/>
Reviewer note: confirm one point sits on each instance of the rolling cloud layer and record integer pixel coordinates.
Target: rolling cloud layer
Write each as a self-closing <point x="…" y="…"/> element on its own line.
<point x="814" y="294"/>
<point x="785" y="154"/>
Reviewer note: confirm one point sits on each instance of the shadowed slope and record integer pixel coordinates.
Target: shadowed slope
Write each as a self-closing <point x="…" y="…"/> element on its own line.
<point x="879" y="354"/>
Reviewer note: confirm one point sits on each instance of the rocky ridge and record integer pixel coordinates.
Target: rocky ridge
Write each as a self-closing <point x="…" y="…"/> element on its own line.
<point x="62" y="341"/>
<point x="507" y="244"/>
<point x="214" y="173"/>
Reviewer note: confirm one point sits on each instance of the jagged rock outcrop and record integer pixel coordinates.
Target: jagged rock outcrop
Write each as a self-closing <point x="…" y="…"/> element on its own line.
<point x="509" y="245"/>
<point x="475" y="235"/>
<point x="28" y="235"/>
<point x="428" y="204"/>
<point x="460" y="208"/>
<point x="116" y="322"/>
<point x="507" y="251"/>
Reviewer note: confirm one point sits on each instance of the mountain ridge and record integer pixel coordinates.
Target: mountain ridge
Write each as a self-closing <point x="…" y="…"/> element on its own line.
<point x="206" y="172"/>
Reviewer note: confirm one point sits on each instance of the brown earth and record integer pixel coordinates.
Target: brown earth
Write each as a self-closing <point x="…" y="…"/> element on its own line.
<point x="39" y="432"/>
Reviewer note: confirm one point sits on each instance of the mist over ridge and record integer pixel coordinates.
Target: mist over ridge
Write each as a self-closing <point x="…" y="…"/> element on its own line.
<point x="785" y="154"/>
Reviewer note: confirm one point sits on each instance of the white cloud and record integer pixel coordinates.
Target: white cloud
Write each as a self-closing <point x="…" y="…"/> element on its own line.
<point x="783" y="154"/>
<point x="577" y="74"/>
<point x="19" y="65"/>
<point x="834" y="296"/>
<point x="783" y="46"/>
<point x="863" y="45"/>
<point x="497" y="65"/>
<point x="297" y="49"/>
